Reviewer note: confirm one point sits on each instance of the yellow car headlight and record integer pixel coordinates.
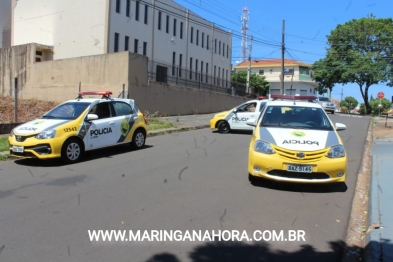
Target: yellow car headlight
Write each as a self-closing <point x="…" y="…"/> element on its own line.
<point x="336" y="152"/>
<point x="263" y="147"/>
<point x="46" y="134"/>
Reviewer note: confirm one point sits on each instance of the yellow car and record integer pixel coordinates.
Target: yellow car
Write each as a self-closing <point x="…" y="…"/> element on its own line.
<point x="80" y="125"/>
<point x="236" y="118"/>
<point x="295" y="141"/>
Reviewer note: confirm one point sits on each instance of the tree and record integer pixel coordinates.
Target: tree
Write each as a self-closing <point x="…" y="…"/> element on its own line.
<point x="359" y="52"/>
<point x="257" y="81"/>
<point x="349" y="102"/>
<point x="385" y="105"/>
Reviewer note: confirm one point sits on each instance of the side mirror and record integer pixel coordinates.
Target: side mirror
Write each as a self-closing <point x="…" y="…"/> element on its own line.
<point x="91" y="117"/>
<point x="340" y="127"/>
<point x="251" y="122"/>
<point x="234" y="110"/>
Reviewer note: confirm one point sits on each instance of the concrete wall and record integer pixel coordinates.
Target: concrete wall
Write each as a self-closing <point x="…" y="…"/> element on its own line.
<point x="177" y="100"/>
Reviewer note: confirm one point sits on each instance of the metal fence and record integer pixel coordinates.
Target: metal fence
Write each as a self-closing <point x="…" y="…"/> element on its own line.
<point x="175" y="75"/>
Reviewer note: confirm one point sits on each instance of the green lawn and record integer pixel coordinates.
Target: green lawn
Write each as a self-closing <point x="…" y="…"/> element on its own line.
<point x="154" y="124"/>
<point x="4" y="144"/>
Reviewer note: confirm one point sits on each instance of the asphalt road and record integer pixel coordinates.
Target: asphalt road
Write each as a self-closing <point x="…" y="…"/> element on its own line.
<point x="194" y="180"/>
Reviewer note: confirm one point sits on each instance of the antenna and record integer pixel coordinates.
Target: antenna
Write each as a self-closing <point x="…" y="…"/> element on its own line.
<point x="244" y="20"/>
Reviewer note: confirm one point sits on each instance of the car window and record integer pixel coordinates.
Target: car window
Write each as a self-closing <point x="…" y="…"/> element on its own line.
<point x="296" y="117"/>
<point x="122" y="108"/>
<point x="324" y="99"/>
<point x="102" y="110"/>
<point x="249" y="107"/>
<point x="70" y="110"/>
<point x="262" y="106"/>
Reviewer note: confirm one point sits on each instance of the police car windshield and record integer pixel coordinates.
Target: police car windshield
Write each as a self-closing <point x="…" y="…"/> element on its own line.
<point x="296" y="117"/>
<point x="70" y="110"/>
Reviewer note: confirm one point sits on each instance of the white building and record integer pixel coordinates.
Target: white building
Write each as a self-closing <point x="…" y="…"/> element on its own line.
<point x="162" y="30"/>
<point x="5" y="23"/>
<point x="297" y="78"/>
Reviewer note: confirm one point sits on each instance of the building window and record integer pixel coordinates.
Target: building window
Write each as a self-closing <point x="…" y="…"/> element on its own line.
<point x="181" y="30"/>
<point x="173" y="63"/>
<point x="197" y="38"/>
<point x="128" y="5"/>
<point x="116" y="42"/>
<point x="219" y="47"/>
<point x="203" y="40"/>
<point x="261" y="72"/>
<point x="227" y="50"/>
<point x="146" y="14"/>
<point x="144" y="48"/>
<point x="215" y="46"/>
<point x="174" y="27"/>
<point x="201" y="78"/>
<point x="137" y="10"/>
<point x="207" y="42"/>
<point x="223" y="49"/>
<point x="222" y="76"/>
<point x="190" y="68"/>
<point x="226" y="78"/>
<point x="136" y="43"/>
<point x="192" y="35"/>
<point x="180" y="64"/>
<point x="196" y="69"/>
<point x="214" y="74"/>
<point x="167" y="24"/>
<point x="218" y="76"/>
<point x="159" y="20"/>
<point x="207" y="72"/>
<point x="126" y="41"/>
<point x="118" y="6"/>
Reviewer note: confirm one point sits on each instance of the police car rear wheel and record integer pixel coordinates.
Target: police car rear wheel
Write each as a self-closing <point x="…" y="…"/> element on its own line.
<point x="138" y="139"/>
<point x="223" y="127"/>
<point x="71" y="151"/>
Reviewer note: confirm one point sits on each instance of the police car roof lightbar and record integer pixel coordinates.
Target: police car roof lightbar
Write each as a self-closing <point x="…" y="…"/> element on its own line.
<point x="290" y="97"/>
<point x="105" y="94"/>
<point x="262" y="97"/>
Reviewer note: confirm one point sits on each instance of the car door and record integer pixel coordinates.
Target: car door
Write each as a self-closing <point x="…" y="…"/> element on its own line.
<point x="243" y="113"/>
<point x="124" y="120"/>
<point x="102" y="131"/>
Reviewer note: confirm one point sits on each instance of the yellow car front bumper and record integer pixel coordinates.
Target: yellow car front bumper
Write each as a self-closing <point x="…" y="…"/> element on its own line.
<point x="274" y="167"/>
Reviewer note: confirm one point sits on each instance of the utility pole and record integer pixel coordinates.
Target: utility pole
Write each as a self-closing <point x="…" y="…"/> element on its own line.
<point x="249" y="67"/>
<point x="282" y="59"/>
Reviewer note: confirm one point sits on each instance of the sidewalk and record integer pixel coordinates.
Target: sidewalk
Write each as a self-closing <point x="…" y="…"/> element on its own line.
<point x="379" y="245"/>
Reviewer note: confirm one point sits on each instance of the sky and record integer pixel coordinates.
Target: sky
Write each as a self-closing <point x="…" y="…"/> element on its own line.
<point x="307" y="23"/>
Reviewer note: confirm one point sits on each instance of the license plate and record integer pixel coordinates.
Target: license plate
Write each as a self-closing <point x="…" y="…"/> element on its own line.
<point x="17" y="149"/>
<point x="299" y="168"/>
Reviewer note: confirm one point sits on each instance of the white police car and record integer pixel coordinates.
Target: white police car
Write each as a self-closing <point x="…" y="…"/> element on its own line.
<point x="80" y="125"/>
<point x="236" y="118"/>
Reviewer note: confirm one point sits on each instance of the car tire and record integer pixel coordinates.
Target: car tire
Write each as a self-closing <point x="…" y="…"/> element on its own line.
<point x="223" y="127"/>
<point x="72" y="151"/>
<point x="138" y="139"/>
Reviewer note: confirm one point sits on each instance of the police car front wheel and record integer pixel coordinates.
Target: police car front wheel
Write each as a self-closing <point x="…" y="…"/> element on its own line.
<point x="71" y="151"/>
<point x="138" y="139"/>
<point x="223" y="127"/>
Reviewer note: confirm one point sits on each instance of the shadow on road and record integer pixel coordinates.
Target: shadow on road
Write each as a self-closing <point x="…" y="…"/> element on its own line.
<point x="302" y="188"/>
<point x="107" y="152"/>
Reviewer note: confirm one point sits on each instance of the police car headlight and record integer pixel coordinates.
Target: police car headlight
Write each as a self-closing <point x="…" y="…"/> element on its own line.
<point x="336" y="152"/>
<point x="46" y="134"/>
<point x="263" y="147"/>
